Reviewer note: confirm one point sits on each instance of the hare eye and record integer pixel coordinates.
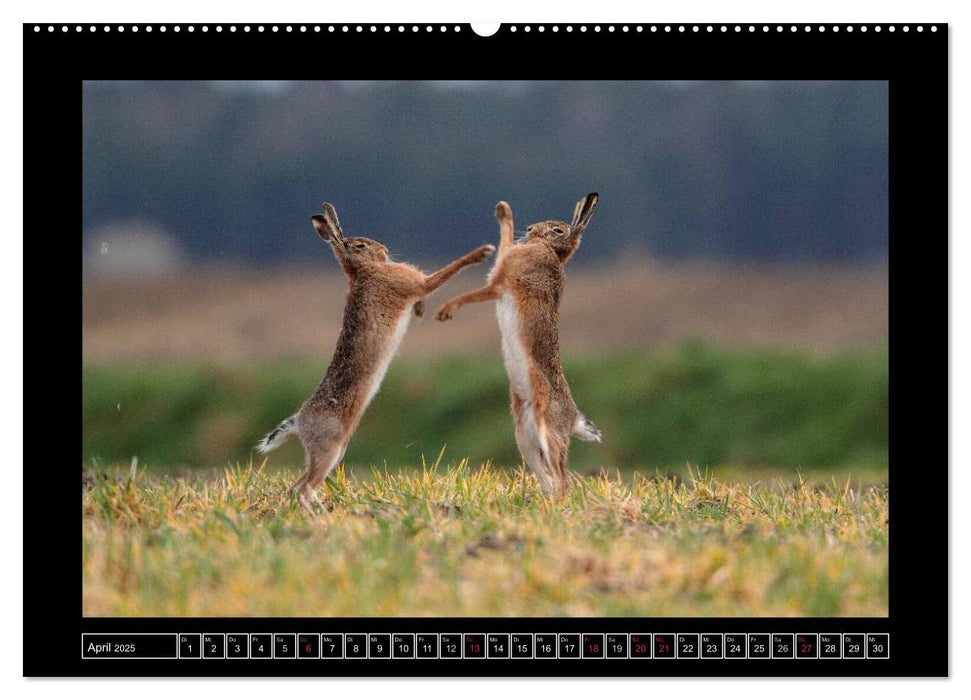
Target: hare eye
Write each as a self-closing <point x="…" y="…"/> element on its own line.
<point x="557" y="229"/>
<point x="359" y="246"/>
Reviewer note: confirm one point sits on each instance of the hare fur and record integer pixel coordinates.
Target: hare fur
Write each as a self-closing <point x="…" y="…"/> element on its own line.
<point x="526" y="282"/>
<point x="381" y="299"/>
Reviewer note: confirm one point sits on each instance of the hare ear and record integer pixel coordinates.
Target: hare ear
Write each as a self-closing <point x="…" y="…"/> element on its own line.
<point x="328" y="225"/>
<point x="323" y="227"/>
<point x="584" y="210"/>
<point x="576" y="212"/>
<point x="330" y="216"/>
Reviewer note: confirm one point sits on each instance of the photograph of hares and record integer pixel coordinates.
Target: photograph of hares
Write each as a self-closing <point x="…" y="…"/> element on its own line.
<point x="485" y="349"/>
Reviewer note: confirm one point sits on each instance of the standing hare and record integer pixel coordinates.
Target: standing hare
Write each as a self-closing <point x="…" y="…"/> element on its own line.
<point x="527" y="282"/>
<point x="381" y="299"/>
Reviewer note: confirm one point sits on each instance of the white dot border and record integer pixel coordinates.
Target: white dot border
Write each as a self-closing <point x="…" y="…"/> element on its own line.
<point x="686" y="29"/>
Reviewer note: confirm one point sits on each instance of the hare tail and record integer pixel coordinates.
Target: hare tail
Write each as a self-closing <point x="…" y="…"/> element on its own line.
<point x="584" y="429"/>
<point x="278" y="435"/>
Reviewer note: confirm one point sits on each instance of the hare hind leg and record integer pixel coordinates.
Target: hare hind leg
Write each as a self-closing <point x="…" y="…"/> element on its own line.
<point x="535" y="456"/>
<point x="532" y="438"/>
<point x="559" y="449"/>
<point x="320" y="462"/>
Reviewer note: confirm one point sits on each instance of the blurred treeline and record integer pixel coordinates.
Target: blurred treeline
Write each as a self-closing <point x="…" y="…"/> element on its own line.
<point x="695" y="404"/>
<point x="786" y="172"/>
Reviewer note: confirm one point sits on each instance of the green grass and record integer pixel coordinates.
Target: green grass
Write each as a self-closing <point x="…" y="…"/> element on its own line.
<point x="752" y="409"/>
<point x="437" y="541"/>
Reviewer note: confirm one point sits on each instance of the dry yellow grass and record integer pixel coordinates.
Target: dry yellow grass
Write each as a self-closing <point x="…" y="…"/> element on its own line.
<point x="462" y="542"/>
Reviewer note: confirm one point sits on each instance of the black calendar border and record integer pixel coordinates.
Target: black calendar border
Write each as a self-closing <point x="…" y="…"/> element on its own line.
<point x="914" y="62"/>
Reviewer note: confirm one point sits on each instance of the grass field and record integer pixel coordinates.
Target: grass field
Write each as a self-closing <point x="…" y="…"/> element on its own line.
<point x="453" y="541"/>
<point x="774" y="381"/>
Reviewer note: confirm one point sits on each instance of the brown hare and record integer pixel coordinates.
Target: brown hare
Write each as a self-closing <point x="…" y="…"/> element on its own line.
<point x="527" y="283"/>
<point x="382" y="296"/>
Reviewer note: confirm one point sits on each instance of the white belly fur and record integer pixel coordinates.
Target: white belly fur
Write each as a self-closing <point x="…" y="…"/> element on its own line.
<point x="399" y="332"/>
<point x="535" y="450"/>
<point x="513" y="350"/>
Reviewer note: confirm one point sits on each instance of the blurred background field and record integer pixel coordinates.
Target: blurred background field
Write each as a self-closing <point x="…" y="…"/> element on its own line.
<point x="692" y="403"/>
<point x="728" y="307"/>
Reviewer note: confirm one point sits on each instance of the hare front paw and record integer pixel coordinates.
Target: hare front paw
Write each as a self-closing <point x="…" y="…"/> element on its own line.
<point x="503" y="212"/>
<point x="444" y="313"/>
<point x="484" y="252"/>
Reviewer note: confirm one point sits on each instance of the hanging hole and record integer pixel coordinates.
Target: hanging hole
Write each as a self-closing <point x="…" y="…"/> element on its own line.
<point x="485" y="28"/>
